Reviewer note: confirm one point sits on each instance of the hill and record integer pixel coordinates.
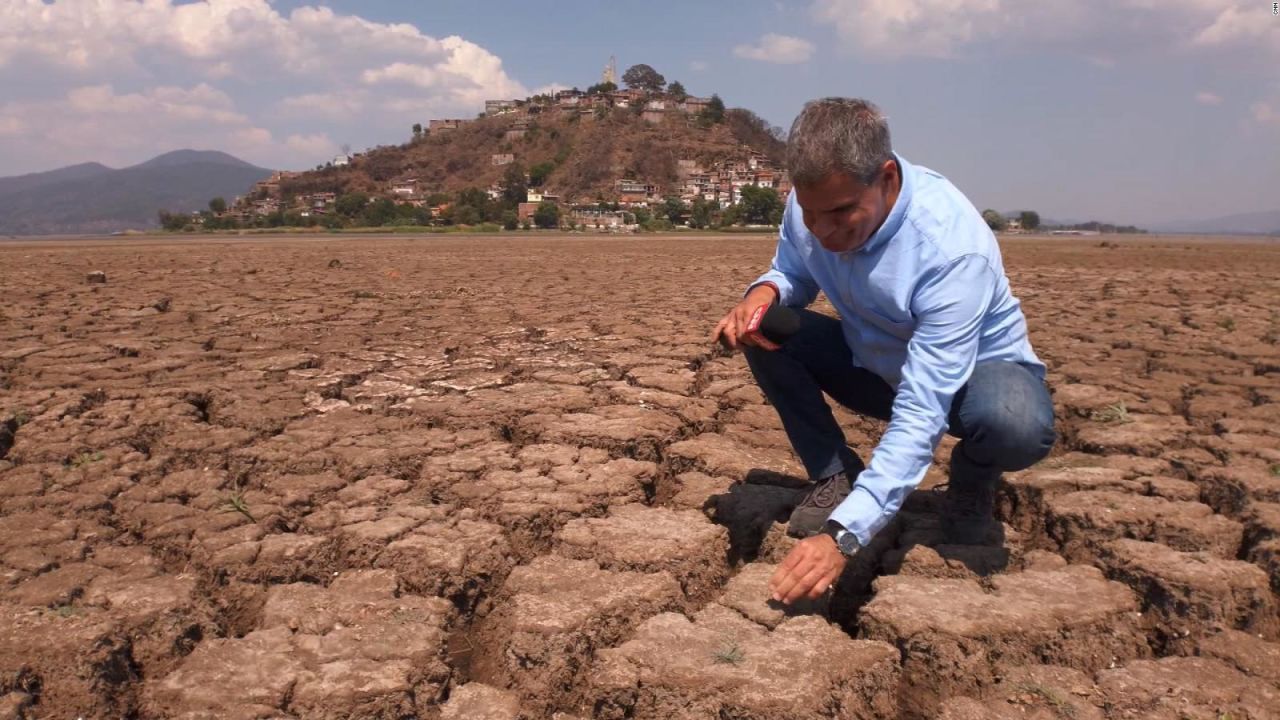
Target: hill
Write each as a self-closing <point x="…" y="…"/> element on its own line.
<point x="1259" y="223"/>
<point x="580" y="155"/>
<point x="92" y="198"/>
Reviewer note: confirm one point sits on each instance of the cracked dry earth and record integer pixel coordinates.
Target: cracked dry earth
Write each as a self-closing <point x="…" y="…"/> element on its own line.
<point x="494" y="478"/>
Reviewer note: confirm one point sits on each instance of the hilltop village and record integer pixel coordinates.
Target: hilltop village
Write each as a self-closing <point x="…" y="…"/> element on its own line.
<point x="645" y="156"/>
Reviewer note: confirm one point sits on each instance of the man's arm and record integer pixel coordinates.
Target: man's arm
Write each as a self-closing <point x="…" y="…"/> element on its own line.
<point x="949" y="307"/>
<point x="788" y="274"/>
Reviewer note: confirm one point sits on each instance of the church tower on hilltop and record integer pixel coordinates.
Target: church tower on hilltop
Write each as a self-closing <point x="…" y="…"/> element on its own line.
<point x="610" y="74"/>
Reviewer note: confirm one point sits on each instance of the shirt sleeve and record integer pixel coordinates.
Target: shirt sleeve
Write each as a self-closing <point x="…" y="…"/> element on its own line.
<point x="949" y="307"/>
<point x="788" y="273"/>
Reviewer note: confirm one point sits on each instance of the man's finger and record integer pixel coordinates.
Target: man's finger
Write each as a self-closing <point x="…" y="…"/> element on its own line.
<point x="788" y="575"/>
<point x="823" y="585"/>
<point x="804" y="584"/>
<point x="715" y="334"/>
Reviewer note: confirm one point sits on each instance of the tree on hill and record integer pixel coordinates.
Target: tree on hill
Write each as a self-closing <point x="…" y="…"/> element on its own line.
<point x="752" y="130"/>
<point x="995" y="220"/>
<point x="173" y="222"/>
<point x="713" y="113"/>
<point x="761" y="206"/>
<point x="673" y="209"/>
<point x="1030" y="219"/>
<point x="600" y="88"/>
<point x="514" y="187"/>
<point x="644" y="77"/>
<point x="417" y="130"/>
<point x="676" y="90"/>
<point x="351" y="204"/>
<point x="547" y="216"/>
<point x="538" y="173"/>
<point x="218" y="205"/>
<point x="700" y="214"/>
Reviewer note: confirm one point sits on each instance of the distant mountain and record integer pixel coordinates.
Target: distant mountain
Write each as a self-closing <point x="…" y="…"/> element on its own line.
<point x="1258" y="223"/>
<point x="35" y="180"/>
<point x="92" y="198"/>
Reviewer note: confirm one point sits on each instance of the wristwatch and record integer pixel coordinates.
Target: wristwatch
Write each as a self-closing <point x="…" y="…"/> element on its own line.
<point x="846" y="541"/>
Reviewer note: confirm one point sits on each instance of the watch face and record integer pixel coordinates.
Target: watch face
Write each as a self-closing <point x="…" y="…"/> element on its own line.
<point x="848" y="543"/>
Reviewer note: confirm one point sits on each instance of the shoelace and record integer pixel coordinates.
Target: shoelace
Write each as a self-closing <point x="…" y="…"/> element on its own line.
<point x="823" y="495"/>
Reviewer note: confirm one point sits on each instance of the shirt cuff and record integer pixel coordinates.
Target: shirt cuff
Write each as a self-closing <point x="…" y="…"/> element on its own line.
<point x="777" y="294"/>
<point x="862" y="515"/>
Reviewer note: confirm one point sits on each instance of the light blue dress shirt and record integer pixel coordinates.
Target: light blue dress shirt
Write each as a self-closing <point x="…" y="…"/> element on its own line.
<point x="922" y="302"/>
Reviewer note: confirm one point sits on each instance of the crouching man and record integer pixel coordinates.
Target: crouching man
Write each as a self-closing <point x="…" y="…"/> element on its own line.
<point x="929" y="338"/>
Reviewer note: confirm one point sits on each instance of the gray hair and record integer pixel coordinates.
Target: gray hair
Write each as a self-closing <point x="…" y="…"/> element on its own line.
<point x="848" y="135"/>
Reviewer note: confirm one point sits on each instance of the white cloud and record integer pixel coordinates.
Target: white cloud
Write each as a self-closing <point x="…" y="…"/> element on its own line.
<point x="96" y="122"/>
<point x="1208" y="98"/>
<point x="317" y="145"/>
<point x="1264" y="113"/>
<point x="774" y="48"/>
<point x="699" y="66"/>
<point x="943" y="28"/>
<point x="302" y="74"/>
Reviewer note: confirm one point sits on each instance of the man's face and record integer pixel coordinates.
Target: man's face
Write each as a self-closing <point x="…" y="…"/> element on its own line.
<point x="842" y="212"/>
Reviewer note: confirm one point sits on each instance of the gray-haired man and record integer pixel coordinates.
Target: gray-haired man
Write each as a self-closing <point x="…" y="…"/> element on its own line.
<point x="929" y="338"/>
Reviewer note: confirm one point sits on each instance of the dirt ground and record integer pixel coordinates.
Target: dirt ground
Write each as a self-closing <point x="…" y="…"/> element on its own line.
<point x="511" y="478"/>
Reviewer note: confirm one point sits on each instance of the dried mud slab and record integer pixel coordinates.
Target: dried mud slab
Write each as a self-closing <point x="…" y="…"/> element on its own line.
<point x="720" y="664"/>
<point x="356" y="648"/>
<point x="1246" y="652"/>
<point x="1186" y="687"/>
<point x="551" y="616"/>
<point x="719" y="455"/>
<point x="434" y="549"/>
<point x="626" y="430"/>
<point x="477" y="701"/>
<point x="648" y="539"/>
<point x="1022" y="496"/>
<point x="1080" y="522"/>
<point x="1148" y="435"/>
<point x="69" y="664"/>
<point x="501" y="405"/>
<point x="1035" y="692"/>
<point x="1231" y="490"/>
<point x="1189" y="592"/>
<point x="957" y="635"/>
<point x="748" y="593"/>
<point x="545" y="486"/>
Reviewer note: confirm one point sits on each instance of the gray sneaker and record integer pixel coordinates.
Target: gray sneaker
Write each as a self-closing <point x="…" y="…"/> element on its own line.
<point x="812" y="512"/>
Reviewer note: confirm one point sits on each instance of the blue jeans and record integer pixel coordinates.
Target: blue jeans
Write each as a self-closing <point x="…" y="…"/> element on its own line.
<point x="1003" y="415"/>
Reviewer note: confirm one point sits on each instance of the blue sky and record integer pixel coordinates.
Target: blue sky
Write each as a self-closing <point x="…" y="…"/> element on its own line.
<point x="1125" y="110"/>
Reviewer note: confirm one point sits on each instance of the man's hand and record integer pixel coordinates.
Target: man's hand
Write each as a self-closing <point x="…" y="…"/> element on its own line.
<point x="736" y="327"/>
<point x="808" y="570"/>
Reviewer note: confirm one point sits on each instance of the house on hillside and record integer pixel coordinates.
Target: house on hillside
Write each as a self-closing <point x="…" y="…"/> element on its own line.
<point x="634" y="192"/>
<point x="693" y="105"/>
<point x="598" y="219"/>
<point x="499" y="107"/>
<point x="569" y="98"/>
<point x="446" y="124"/>
<point x="341" y="160"/>
<point x="500" y="159"/>
<point x="406" y="188"/>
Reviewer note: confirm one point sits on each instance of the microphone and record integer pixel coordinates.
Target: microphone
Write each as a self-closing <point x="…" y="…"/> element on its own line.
<point x="777" y="323"/>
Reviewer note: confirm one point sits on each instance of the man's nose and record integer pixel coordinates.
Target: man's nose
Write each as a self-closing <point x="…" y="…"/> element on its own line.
<point x="822" y="227"/>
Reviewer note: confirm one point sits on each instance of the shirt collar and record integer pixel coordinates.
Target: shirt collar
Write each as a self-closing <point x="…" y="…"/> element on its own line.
<point x="898" y="212"/>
